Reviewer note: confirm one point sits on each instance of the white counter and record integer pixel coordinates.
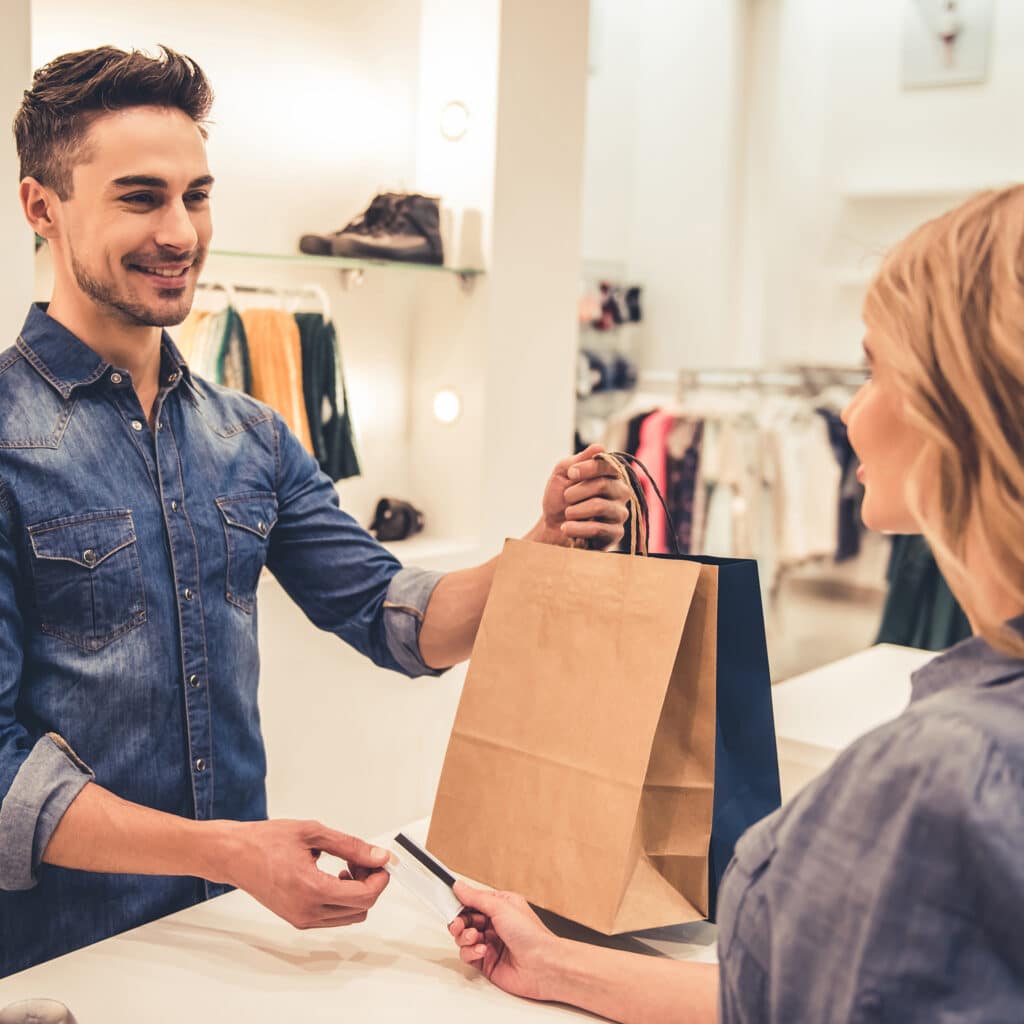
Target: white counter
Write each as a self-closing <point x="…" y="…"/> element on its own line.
<point x="231" y="960"/>
<point x="821" y="712"/>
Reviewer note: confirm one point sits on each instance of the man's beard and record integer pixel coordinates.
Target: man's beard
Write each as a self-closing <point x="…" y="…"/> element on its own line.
<point x="135" y="313"/>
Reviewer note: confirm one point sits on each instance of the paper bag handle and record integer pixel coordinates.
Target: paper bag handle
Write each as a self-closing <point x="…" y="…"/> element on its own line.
<point x="639" y="517"/>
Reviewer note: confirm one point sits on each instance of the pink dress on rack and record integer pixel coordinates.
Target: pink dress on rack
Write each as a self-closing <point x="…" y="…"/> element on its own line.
<point x="652" y="453"/>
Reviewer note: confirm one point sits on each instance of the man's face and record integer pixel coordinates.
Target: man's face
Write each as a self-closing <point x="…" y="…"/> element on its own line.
<point x="135" y="231"/>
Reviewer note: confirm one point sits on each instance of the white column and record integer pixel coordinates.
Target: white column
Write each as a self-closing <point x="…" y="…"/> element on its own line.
<point x="15" y="77"/>
<point x="514" y="184"/>
<point x="535" y="254"/>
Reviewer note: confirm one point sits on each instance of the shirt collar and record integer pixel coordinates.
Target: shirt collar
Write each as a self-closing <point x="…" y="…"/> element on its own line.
<point x="972" y="662"/>
<point x="65" y="362"/>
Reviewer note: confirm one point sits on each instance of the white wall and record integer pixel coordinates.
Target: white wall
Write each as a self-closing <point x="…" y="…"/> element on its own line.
<point x="857" y="160"/>
<point x="15" y="77"/>
<point x="298" y="142"/>
<point x="616" y="37"/>
<point x="747" y="161"/>
<point x="663" y="139"/>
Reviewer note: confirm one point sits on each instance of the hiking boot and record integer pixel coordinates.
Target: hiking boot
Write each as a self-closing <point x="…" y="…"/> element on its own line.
<point x="395" y="226"/>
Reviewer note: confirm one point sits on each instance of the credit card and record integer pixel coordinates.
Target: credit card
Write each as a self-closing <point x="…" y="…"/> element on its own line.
<point x="423" y="875"/>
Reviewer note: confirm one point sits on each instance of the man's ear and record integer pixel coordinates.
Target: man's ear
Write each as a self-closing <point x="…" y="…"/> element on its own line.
<point x="40" y="206"/>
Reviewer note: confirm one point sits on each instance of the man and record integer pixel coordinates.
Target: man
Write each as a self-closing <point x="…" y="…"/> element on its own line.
<point x="138" y="505"/>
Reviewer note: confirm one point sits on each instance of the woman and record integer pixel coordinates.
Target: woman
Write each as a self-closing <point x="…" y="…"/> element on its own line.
<point x="892" y="887"/>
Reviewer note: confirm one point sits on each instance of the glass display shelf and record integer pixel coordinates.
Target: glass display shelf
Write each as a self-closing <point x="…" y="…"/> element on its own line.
<point x="347" y="264"/>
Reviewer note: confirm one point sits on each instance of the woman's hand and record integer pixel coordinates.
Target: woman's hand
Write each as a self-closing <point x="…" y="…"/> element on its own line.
<point x="501" y="935"/>
<point x="505" y="939"/>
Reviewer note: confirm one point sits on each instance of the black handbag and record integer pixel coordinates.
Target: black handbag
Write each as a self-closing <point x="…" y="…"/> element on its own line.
<point x="395" y="519"/>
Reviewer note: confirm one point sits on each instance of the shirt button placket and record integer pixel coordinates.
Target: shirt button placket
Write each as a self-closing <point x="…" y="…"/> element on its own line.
<point x="186" y="561"/>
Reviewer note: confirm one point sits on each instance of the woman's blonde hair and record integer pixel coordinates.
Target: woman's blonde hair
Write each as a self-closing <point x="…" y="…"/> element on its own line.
<point x="947" y="307"/>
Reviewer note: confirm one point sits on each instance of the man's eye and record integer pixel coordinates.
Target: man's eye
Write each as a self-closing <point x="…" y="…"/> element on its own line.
<point x="197" y="197"/>
<point x="139" y="199"/>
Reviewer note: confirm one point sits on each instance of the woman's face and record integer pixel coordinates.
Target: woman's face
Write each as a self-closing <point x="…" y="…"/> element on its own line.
<point x="885" y="443"/>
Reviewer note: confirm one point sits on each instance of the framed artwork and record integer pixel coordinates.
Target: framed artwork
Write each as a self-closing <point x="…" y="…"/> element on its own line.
<point x="946" y="42"/>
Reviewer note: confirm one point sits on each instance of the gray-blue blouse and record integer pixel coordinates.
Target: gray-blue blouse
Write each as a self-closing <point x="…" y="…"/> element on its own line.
<point x="892" y="887"/>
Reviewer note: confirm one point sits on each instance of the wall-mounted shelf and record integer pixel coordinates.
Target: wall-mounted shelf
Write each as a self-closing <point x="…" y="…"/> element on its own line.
<point x="352" y="270"/>
<point x="927" y="192"/>
<point x="433" y="552"/>
<point x="851" y="278"/>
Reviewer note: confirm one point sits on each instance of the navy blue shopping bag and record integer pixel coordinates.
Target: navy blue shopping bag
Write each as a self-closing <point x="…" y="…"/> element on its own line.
<point x="746" y="757"/>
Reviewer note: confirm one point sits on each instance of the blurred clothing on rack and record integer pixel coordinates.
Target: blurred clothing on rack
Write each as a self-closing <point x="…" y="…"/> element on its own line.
<point x="851" y="491"/>
<point x="326" y="397"/>
<point x="290" y="361"/>
<point x="748" y="466"/>
<point x="653" y="454"/>
<point x="234" y="366"/>
<point x="685" y="492"/>
<point x="276" y="351"/>
<point x="920" y="609"/>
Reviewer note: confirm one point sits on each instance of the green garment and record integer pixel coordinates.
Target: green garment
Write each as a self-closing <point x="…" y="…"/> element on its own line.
<point x="920" y="609"/>
<point x="323" y="387"/>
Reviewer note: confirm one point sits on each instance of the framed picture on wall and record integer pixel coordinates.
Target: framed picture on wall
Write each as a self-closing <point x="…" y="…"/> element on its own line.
<point x="946" y="42"/>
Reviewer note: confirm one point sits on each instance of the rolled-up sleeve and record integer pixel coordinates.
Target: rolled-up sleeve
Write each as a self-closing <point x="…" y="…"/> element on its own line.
<point x="404" y="607"/>
<point x="46" y="783"/>
<point x="341" y="577"/>
<point x="39" y="776"/>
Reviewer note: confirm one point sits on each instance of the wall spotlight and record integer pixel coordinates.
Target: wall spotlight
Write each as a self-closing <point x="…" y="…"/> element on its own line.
<point x="447" y="406"/>
<point x="454" y="121"/>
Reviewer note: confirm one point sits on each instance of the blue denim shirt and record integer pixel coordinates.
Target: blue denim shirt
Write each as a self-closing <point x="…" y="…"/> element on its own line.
<point x="129" y="562"/>
<point x="891" y="889"/>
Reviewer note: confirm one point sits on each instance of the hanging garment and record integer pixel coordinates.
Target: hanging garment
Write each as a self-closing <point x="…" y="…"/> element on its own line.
<point x="716" y="538"/>
<point x="275" y="350"/>
<point x="209" y="339"/>
<point x="633" y="432"/>
<point x="731" y="475"/>
<point x="807" y="480"/>
<point x="215" y="347"/>
<point x="234" y="369"/>
<point x="920" y="609"/>
<point x="685" y="486"/>
<point x="653" y="453"/>
<point x="185" y="337"/>
<point x="851" y="490"/>
<point x="326" y="397"/>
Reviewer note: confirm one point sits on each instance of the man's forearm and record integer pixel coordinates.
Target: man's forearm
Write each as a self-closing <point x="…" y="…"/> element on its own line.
<point x="453" y="615"/>
<point x="456" y="607"/>
<point x="274" y="861"/>
<point x="101" y="832"/>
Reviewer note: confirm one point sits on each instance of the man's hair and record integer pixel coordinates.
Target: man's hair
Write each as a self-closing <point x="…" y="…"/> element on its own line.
<point x="73" y="90"/>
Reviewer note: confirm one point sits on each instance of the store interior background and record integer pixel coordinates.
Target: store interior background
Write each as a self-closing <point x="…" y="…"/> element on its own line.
<point x="745" y="161"/>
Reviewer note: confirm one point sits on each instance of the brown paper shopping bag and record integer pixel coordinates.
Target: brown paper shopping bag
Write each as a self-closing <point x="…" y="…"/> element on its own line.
<point x="581" y="766"/>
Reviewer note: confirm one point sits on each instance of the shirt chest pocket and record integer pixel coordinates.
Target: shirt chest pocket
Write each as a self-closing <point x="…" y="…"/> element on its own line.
<point x="248" y="520"/>
<point x="88" y="580"/>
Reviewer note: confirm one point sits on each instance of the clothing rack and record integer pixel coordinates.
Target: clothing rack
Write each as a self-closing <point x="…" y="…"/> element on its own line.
<point x="800" y="378"/>
<point x="303" y="291"/>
